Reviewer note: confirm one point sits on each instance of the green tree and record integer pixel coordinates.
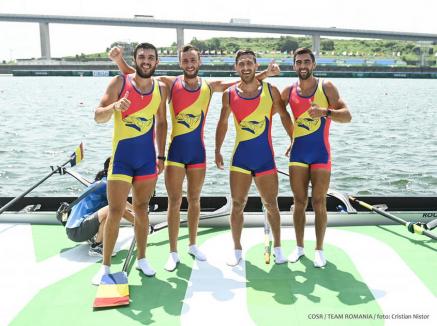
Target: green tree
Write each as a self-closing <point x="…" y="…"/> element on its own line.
<point x="327" y="45"/>
<point x="201" y="45"/>
<point x="232" y="47"/>
<point x="287" y="44"/>
<point x="214" y="44"/>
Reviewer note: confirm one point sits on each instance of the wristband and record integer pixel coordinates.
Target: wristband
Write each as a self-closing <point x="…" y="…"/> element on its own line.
<point x="162" y="158"/>
<point x="328" y="112"/>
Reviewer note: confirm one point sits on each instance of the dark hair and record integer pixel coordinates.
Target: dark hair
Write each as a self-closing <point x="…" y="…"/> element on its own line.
<point x="188" y="47"/>
<point x="103" y="173"/>
<point x="304" y="51"/>
<point x="145" y="46"/>
<point x="244" y="52"/>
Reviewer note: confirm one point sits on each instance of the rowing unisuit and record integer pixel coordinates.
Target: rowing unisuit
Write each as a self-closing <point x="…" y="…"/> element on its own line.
<point x="311" y="136"/>
<point x="133" y="146"/>
<point x="253" y="151"/>
<point x="188" y="110"/>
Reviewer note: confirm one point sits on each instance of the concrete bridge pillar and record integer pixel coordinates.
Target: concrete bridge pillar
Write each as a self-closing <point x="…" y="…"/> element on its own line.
<point x="316" y="45"/>
<point x="179" y="37"/>
<point x="44" y="36"/>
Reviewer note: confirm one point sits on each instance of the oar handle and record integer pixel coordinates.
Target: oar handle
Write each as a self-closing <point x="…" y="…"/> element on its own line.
<point x="129" y="255"/>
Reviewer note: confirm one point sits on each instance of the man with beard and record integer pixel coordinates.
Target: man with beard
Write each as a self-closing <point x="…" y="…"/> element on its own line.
<point x="314" y="103"/>
<point x="189" y="97"/>
<point x="253" y="104"/>
<point x="136" y="101"/>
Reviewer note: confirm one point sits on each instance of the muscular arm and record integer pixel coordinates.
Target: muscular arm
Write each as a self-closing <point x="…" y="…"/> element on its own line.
<point x="222" y="128"/>
<point x="221" y="86"/>
<point x="340" y="111"/>
<point x="161" y="125"/>
<point x="110" y="102"/>
<point x="284" y="97"/>
<point x="279" y="107"/>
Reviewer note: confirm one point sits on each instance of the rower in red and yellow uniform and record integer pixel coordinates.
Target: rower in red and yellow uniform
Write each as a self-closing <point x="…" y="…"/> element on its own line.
<point x="137" y="102"/>
<point x="309" y="132"/>
<point x="133" y="144"/>
<point x="314" y="104"/>
<point x="188" y="109"/>
<point x="253" y="151"/>
<point x="189" y="100"/>
<point x="252" y="103"/>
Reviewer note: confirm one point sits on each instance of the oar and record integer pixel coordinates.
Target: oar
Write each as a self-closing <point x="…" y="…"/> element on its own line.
<point x="74" y="159"/>
<point x="77" y="176"/>
<point x="267" y="244"/>
<point x="412" y="227"/>
<point x="113" y="290"/>
<point x="335" y="194"/>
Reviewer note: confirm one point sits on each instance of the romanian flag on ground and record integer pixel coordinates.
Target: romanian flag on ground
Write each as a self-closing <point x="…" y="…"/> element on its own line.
<point x="77" y="156"/>
<point x="113" y="291"/>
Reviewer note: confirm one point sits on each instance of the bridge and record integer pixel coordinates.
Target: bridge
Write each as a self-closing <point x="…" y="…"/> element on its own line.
<point x="180" y="26"/>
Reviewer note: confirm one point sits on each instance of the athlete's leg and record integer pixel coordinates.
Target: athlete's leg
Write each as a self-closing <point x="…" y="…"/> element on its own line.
<point x="195" y="179"/>
<point x="102" y="214"/>
<point x="240" y="185"/>
<point x="320" y="182"/>
<point x="174" y="178"/>
<point x="268" y="189"/>
<point x="299" y="180"/>
<point x="142" y="191"/>
<point x="117" y="195"/>
<point x="267" y="186"/>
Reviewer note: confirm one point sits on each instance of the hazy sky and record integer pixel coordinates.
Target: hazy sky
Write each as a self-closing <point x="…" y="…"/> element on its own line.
<point x="21" y="40"/>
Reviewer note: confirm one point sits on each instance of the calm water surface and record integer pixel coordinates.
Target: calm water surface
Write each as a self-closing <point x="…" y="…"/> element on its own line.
<point x="390" y="148"/>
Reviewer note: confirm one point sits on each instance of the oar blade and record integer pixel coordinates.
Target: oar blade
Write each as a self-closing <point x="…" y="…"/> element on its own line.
<point x="113" y="291"/>
<point x="77" y="156"/>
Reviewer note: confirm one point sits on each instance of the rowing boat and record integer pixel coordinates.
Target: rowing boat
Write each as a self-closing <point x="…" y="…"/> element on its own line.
<point x="42" y="210"/>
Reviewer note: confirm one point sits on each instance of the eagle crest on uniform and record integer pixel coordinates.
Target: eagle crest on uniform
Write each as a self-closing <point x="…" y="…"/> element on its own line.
<point x="253" y="126"/>
<point x="188" y="120"/>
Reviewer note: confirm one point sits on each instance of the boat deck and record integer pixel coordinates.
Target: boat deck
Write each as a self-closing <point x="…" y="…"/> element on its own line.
<point x="376" y="275"/>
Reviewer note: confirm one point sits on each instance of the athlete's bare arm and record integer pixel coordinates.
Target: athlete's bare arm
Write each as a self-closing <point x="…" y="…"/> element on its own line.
<point x="220" y="85"/>
<point x="222" y="128"/>
<point x="285" y="94"/>
<point x="339" y="109"/>
<point x="116" y="55"/>
<point x="110" y="102"/>
<point x="161" y="126"/>
<point x="279" y="107"/>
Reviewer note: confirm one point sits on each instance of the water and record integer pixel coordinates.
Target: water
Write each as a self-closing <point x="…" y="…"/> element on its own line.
<point x="390" y="148"/>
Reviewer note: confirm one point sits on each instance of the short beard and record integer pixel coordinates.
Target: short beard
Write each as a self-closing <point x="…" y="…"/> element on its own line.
<point x="308" y="75"/>
<point x="247" y="79"/>
<point x="193" y="75"/>
<point x="144" y="74"/>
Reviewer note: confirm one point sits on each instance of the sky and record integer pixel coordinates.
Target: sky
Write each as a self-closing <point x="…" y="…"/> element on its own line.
<point x="21" y="40"/>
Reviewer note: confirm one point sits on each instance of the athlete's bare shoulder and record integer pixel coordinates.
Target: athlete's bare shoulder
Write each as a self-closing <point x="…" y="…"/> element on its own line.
<point x="167" y="80"/>
<point x="116" y="84"/>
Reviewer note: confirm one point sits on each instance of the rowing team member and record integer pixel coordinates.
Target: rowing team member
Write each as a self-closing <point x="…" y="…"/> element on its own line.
<point x="137" y="102"/>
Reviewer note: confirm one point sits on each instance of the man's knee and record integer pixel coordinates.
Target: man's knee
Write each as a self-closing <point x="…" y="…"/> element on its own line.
<point x="300" y="202"/>
<point x="238" y="204"/>
<point x="115" y="213"/>
<point x="140" y="207"/>
<point x="193" y="200"/>
<point x="318" y="203"/>
<point x="271" y="205"/>
<point x="175" y="201"/>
